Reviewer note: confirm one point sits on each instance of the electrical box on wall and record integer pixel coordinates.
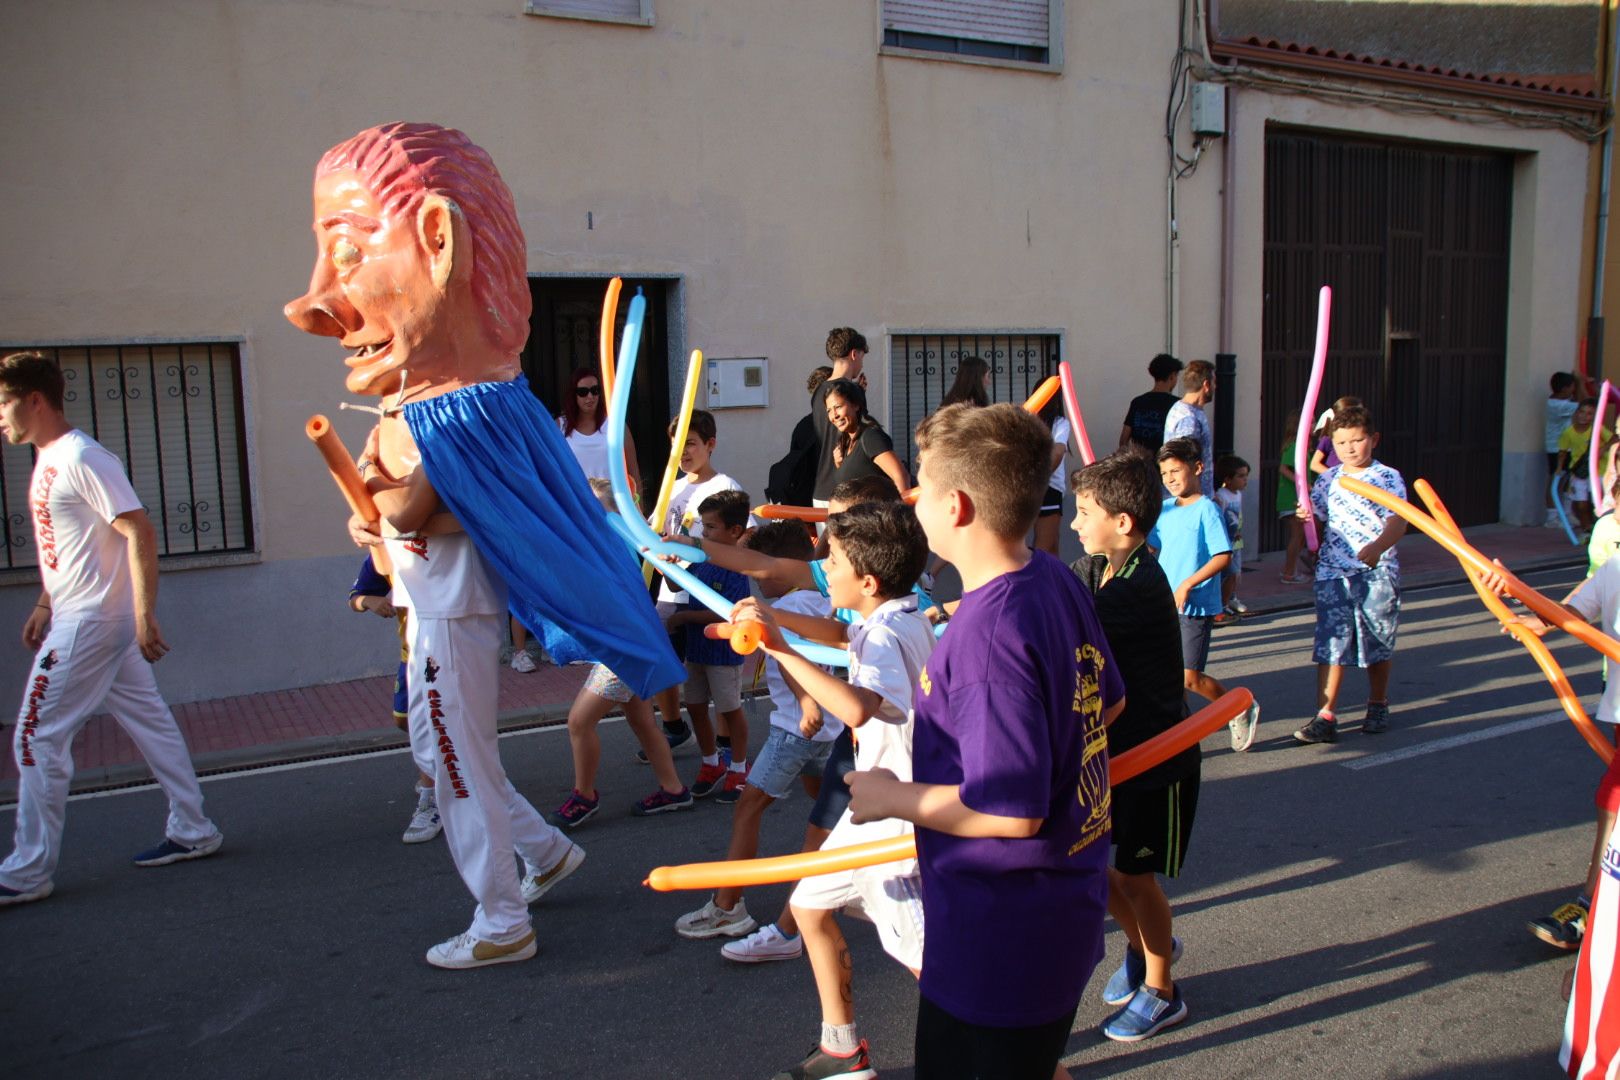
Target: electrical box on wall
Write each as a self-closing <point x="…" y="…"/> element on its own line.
<point x="740" y="383"/>
<point x="1208" y="109"/>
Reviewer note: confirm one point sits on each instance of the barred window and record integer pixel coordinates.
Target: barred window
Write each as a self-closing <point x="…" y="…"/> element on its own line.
<point x="922" y="366"/>
<point x="173" y="415"/>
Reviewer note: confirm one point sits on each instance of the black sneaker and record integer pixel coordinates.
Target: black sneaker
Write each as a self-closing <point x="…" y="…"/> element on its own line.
<point x="821" y="1065"/>
<point x="676" y="739"/>
<point x="1564" y="928"/>
<point x="1376" y="722"/>
<point x="1319" y="730"/>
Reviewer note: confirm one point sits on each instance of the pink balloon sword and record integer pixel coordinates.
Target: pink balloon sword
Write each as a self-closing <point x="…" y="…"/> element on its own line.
<point x="1071" y="405"/>
<point x="1307" y="415"/>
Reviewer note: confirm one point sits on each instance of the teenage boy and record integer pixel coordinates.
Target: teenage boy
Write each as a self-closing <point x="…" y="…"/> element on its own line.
<point x="798" y="744"/>
<point x="1010" y="795"/>
<point x="1144" y="420"/>
<point x="1190" y="539"/>
<point x="698" y="480"/>
<point x="1187" y="419"/>
<point x="713" y="667"/>
<point x="94" y="633"/>
<point x="1358" y="577"/>
<point x="1116" y="503"/>
<point x="876" y="552"/>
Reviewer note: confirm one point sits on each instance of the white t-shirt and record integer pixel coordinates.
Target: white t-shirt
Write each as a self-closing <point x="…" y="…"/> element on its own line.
<point x="785" y="711"/>
<point x="591" y="451"/>
<point x="1060" y="436"/>
<point x="683" y="520"/>
<point x="887" y="651"/>
<point x="1231" y="504"/>
<point x="444" y="577"/>
<point x="78" y="488"/>
<point x="1598" y="600"/>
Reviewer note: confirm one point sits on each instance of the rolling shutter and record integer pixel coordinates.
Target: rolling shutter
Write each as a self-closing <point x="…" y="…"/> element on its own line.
<point x="1014" y="22"/>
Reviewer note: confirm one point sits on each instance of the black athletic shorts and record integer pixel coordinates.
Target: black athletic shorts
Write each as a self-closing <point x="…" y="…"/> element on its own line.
<point x="1152" y="827"/>
<point x="1051" y="503"/>
<point x="953" y="1049"/>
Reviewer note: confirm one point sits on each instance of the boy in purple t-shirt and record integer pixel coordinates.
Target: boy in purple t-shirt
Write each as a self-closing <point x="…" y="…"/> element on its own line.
<point x="1009" y="763"/>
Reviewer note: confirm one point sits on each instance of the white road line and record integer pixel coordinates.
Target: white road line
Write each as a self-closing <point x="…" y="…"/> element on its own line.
<point x="1512" y="727"/>
<point x="151" y="785"/>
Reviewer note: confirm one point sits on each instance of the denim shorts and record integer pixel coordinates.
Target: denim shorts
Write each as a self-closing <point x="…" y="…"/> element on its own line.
<point x="784" y="758"/>
<point x="1357" y="618"/>
<point x="834" y="797"/>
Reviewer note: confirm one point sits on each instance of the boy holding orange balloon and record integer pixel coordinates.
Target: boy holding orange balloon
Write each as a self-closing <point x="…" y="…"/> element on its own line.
<point x="1010" y="794"/>
<point x="876" y="552"/>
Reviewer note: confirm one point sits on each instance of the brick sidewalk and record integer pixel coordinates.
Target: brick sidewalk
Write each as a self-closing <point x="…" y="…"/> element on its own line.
<point x="316" y="721"/>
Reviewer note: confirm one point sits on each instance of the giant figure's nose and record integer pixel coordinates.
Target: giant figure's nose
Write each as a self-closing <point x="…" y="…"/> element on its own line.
<point x="322" y="309"/>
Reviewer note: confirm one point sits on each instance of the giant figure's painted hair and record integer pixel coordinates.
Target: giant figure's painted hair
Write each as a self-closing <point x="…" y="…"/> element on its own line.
<point x="400" y="163"/>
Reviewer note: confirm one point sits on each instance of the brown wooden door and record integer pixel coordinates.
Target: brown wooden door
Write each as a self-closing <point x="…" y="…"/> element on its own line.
<point x="1414" y="241"/>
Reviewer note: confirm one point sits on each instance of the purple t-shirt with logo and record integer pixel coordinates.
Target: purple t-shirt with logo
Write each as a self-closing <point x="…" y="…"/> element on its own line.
<point x="1009" y="709"/>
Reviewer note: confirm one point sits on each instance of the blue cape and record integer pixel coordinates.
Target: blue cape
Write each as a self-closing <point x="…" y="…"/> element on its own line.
<point x="500" y="465"/>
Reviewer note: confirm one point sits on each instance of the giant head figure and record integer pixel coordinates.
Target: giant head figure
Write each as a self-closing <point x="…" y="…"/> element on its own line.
<point x="419" y="264"/>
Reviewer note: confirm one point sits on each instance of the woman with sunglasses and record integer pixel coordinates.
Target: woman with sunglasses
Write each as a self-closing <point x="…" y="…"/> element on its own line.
<point x="584" y="427"/>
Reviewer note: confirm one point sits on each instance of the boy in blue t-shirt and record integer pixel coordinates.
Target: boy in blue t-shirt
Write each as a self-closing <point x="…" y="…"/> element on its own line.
<point x="713" y="667"/>
<point x="1190" y="538"/>
<point x="1358" y="582"/>
<point x="1010" y="791"/>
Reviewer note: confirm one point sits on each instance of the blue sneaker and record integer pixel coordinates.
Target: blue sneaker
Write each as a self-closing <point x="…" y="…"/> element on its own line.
<point x="1122" y="985"/>
<point x="171" y="852"/>
<point x="1145" y="1016"/>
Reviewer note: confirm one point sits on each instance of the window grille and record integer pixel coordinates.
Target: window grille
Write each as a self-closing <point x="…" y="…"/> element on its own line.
<point x="923" y="365"/>
<point x="173" y="415"/>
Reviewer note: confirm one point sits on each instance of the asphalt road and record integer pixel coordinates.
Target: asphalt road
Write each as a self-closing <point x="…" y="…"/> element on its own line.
<point x="1347" y="912"/>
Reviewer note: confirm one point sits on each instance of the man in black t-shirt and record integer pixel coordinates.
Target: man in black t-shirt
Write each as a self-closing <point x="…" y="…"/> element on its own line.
<point x="846" y="348"/>
<point x="1144" y="420"/>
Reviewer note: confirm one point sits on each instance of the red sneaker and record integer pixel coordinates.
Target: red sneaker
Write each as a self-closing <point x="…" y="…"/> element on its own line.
<point x="733" y="788"/>
<point x="708" y="778"/>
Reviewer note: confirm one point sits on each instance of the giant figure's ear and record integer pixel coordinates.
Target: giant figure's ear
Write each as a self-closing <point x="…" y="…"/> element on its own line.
<point x="441" y="229"/>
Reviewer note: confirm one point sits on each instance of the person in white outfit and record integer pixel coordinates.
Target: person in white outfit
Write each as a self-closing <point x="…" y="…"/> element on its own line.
<point x="94" y="632"/>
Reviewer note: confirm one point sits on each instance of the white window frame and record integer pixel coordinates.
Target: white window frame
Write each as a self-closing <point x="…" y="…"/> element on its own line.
<point x="1054" y="46"/>
<point x="549" y="10"/>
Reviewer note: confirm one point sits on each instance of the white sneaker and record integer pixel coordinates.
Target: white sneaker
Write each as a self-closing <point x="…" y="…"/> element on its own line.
<point x="710" y="921"/>
<point x="465" y="951"/>
<point x="536" y="882"/>
<point x="1238" y="606"/>
<point x="1243" y="728"/>
<point x="522" y="662"/>
<point x="9" y="895"/>
<point x="762" y="946"/>
<point x="425" y="824"/>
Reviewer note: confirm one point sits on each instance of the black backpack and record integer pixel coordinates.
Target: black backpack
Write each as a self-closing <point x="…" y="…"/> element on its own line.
<point x="792" y="480"/>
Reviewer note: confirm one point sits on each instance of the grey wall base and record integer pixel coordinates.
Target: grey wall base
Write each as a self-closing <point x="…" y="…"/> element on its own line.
<point x="1524" y="489"/>
<point x="240" y="630"/>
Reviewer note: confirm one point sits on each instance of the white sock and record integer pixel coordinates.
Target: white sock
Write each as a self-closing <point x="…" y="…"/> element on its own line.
<point x="738" y="766"/>
<point x="839" y="1039"/>
<point x="426" y="797"/>
<point x="712" y="759"/>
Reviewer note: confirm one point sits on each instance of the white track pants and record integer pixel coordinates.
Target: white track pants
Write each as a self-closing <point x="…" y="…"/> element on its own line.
<point x="454" y="686"/>
<point x="82" y="668"/>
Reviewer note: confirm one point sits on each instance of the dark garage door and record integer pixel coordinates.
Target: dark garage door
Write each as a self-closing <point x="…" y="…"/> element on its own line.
<point x="1414" y="241"/>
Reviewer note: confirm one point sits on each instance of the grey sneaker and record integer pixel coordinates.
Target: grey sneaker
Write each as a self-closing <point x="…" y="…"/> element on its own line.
<point x="425" y="824"/>
<point x="1319" y="730"/>
<point x="1243" y="728"/>
<point x="1376" y="722"/>
<point x="536" y="882"/>
<point x="710" y="921"/>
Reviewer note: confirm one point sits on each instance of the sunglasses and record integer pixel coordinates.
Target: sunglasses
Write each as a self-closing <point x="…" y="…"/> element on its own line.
<point x="587" y="391"/>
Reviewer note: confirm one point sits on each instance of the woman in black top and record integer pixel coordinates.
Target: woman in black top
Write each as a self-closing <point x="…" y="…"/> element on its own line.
<point x="862" y="448"/>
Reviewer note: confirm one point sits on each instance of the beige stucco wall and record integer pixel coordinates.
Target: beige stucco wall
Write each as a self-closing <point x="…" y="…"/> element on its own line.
<point x="158" y="171"/>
